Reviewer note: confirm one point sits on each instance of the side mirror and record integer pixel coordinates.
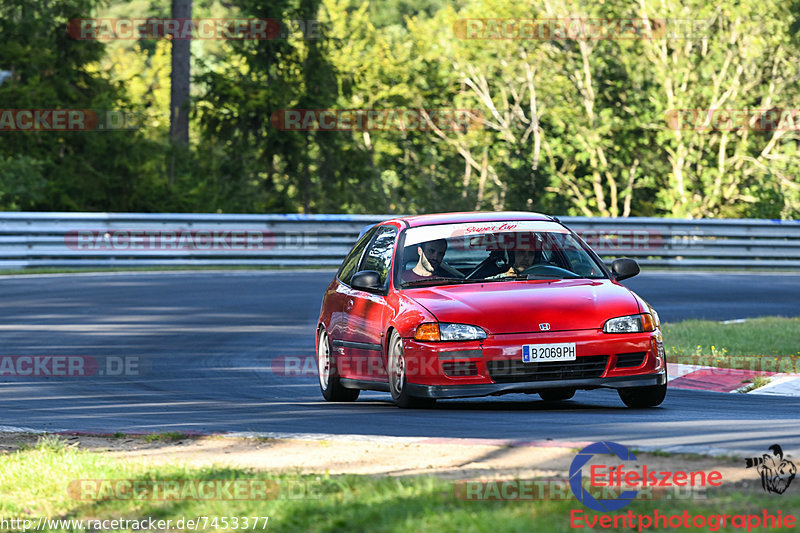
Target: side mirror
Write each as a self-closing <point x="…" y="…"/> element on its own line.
<point x="624" y="268"/>
<point x="367" y="280"/>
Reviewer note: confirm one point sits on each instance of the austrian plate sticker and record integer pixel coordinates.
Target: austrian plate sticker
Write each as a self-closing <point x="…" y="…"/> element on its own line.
<point x="533" y="353"/>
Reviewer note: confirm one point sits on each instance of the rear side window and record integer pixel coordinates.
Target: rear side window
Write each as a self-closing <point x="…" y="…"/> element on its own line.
<point x="350" y="263"/>
<point x="379" y="255"/>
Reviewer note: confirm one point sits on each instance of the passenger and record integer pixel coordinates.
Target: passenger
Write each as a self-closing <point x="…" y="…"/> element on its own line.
<point x="431" y="254"/>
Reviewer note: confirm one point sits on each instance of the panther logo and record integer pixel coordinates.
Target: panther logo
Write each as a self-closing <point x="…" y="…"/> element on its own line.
<point x="776" y="472"/>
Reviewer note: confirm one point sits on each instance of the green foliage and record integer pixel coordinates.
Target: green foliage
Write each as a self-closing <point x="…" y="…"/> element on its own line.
<point x="50" y="170"/>
<point x="21" y="182"/>
<point x="568" y="126"/>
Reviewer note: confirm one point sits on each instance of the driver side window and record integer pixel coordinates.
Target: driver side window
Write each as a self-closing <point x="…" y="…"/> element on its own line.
<point x="379" y="255"/>
<point x="350" y="263"/>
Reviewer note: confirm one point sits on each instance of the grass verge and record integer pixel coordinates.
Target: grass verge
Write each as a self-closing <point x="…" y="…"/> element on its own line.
<point x="166" y="436"/>
<point x="41" y="481"/>
<point x="761" y="344"/>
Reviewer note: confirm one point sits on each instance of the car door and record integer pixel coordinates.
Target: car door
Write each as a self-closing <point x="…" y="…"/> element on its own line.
<point x="337" y="298"/>
<point x="367" y="312"/>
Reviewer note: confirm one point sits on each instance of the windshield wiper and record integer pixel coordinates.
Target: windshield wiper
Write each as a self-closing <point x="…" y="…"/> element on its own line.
<point x="504" y="278"/>
<point x="530" y="277"/>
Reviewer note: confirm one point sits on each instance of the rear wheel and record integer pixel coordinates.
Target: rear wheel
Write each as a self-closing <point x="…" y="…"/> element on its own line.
<point x="397" y="377"/>
<point x="638" y="397"/>
<point x="329" y="383"/>
<point x="557" y="395"/>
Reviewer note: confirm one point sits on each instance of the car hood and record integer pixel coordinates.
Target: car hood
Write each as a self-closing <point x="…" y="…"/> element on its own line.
<point x="520" y="306"/>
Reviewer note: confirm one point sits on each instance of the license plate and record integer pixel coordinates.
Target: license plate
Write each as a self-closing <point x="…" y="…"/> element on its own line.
<point x="534" y="353"/>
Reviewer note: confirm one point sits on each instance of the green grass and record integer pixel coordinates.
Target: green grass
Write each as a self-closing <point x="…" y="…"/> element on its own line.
<point x="768" y="343"/>
<point x="166" y="436"/>
<point x="755" y="383"/>
<point x="35" y="483"/>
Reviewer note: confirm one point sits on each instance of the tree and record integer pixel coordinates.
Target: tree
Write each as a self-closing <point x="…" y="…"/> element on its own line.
<point x="65" y="170"/>
<point x="741" y="59"/>
<point x="180" y="78"/>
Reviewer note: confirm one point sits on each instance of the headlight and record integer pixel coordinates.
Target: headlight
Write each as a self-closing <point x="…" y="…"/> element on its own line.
<point x="433" y="331"/>
<point x="630" y="324"/>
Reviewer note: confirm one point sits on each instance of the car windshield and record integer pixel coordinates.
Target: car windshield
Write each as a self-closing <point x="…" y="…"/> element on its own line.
<point x="492" y="251"/>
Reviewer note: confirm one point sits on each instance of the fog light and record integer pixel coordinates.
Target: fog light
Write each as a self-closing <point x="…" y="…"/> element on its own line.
<point x="460" y="368"/>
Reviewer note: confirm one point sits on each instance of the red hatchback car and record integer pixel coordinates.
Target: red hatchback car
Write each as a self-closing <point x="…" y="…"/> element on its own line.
<point x="473" y="304"/>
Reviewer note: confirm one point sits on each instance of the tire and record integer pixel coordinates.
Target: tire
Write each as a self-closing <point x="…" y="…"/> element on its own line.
<point x="557" y="395"/>
<point x="638" y="397"/>
<point x="329" y="384"/>
<point x="397" y="377"/>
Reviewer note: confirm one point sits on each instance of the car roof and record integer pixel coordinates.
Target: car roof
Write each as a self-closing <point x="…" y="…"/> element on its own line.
<point x="470" y="216"/>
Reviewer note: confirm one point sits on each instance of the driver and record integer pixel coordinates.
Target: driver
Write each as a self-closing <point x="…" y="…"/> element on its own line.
<point x="431" y="254"/>
<point x="525" y="254"/>
<point x="522" y="259"/>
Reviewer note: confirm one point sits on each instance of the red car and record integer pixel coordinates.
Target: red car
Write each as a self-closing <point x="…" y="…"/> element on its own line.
<point x="473" y="304"/>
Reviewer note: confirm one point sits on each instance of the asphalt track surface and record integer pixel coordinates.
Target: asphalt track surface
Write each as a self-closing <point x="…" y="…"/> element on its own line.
<point x="204" y="342"/>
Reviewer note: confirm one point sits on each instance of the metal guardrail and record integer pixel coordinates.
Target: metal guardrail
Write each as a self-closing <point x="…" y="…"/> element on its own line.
<point x="68" y="240"/>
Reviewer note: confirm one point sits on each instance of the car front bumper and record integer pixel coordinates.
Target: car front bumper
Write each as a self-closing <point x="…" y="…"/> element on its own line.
<point x="494" y="365"/>
<point x="488" y="389"/>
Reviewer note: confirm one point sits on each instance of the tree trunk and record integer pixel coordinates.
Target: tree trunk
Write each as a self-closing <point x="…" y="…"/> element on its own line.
<point x="179" y="86"/>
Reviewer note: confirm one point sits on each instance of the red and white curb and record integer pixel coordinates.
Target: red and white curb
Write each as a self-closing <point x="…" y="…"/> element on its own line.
<point x="709" y="378"/>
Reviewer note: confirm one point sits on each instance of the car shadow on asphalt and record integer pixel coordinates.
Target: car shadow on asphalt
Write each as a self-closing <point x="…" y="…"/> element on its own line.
<point x="509" y="405"/>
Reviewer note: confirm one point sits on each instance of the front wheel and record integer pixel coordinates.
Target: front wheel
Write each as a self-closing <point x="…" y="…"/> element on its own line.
<point x="329" y="384"/>
<point x="397" y="377"/>
<point x="638" y="397"/>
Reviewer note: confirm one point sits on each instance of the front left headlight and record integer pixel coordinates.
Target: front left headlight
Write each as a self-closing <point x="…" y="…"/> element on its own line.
<point x="630" y="324"/>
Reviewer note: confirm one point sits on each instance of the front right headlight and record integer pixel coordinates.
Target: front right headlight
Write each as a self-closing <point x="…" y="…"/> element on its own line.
<point x="461" y="332"/>
<point x="435" y="331"/>
<point x="630" y="324"/>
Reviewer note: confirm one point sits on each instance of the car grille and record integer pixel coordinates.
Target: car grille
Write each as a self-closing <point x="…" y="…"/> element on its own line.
<point x="514" y="370"/>
<point x="629" y="360"/>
